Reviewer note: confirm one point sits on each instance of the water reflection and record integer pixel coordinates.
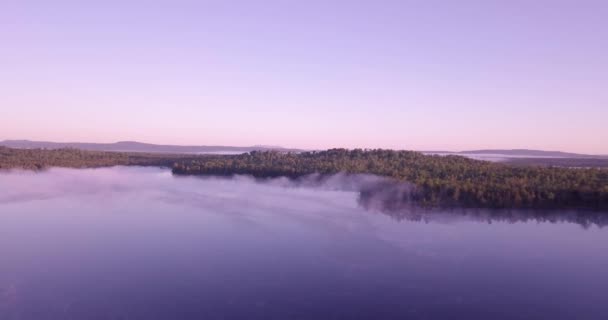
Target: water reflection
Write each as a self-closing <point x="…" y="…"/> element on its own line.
<point x="392" y="200"/>
<point x="585" y="218"/>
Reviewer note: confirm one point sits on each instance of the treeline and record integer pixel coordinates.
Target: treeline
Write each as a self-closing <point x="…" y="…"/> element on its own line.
<point x="437" y="181"/>
<point x="37" y="159"/>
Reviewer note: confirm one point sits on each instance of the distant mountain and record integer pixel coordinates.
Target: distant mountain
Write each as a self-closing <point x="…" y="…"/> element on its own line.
<point x="507" y="154"/>
<point x="134" y="146"/>
<point x="528" y="153"/>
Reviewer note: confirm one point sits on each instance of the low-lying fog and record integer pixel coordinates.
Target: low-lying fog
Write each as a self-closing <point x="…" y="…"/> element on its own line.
<point x="139" y="243"/>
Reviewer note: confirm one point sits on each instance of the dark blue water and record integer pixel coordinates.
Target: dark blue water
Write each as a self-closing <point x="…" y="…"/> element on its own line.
<point x="131" y="243"/>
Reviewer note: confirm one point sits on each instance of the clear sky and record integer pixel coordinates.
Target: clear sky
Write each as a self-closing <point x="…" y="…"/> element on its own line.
<point x="424" y="75"/>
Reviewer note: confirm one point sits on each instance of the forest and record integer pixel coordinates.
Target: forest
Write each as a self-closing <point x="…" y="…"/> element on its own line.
<point x="39" y="159"/>
<point x="437" y="181"/>
<point x="433" y="181"/>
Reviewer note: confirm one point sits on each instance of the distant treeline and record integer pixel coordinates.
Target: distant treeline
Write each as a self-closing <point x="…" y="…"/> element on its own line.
<point x="37" y="159"/>
<point x="437" y="181"/>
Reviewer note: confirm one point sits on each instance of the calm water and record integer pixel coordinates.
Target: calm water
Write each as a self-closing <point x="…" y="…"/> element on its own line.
<point x="132" y="243"/>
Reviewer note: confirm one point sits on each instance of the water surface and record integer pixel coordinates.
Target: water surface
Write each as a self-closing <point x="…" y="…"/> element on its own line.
<point x="138" y="243"/>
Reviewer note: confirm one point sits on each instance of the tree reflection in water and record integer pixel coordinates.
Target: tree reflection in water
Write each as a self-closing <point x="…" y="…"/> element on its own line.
<point x="396" y="201"/>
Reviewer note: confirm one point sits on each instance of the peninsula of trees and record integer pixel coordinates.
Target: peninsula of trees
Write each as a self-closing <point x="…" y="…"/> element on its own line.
<point x="437" y="181"/>
<point x="433" y="181"/>
<point x="38" y="159"/>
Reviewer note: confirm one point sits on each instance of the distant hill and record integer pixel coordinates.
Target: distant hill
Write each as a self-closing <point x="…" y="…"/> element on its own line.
<point x="529" y="153"/>
<point x="134" y="146"/>
<point x="560" y="162"/>
<point x="530" y="156"/>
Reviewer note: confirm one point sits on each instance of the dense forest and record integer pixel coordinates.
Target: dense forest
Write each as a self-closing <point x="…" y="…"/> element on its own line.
<point x="436" y="181"/>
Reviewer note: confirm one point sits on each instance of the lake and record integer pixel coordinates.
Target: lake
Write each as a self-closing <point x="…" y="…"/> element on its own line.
<point x="139" y="243"/>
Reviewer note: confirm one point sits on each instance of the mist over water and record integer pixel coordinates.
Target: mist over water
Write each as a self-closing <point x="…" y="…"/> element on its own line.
<point x="139" y="243"/>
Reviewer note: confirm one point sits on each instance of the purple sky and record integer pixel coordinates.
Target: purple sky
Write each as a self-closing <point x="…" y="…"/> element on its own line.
<point x="426" y="75"/>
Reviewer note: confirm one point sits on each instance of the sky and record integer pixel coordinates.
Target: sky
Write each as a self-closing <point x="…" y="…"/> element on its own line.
<point x="421" y="75"/>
